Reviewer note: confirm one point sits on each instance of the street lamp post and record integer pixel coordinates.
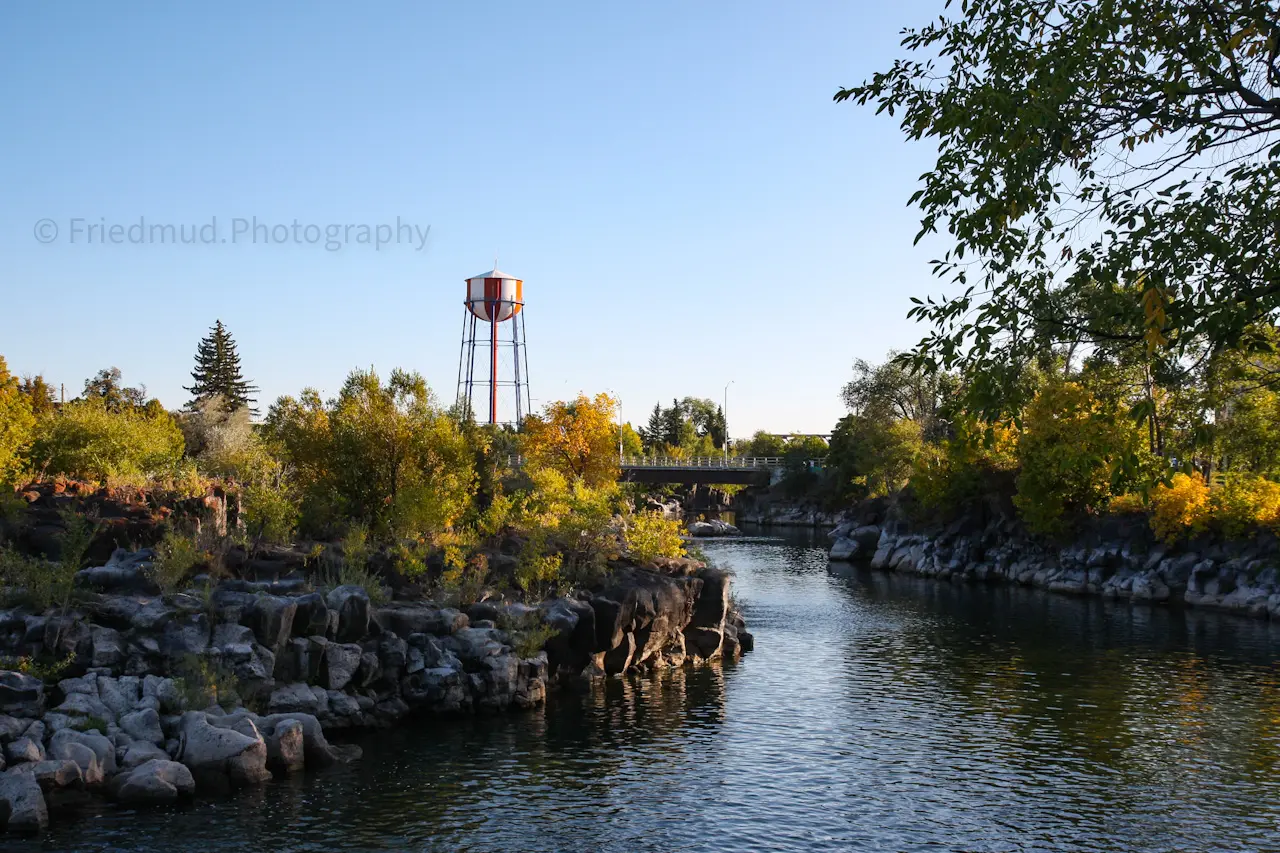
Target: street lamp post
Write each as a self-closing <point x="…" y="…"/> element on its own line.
<point x="724" y="412"/>
<point x="617" y="398"/>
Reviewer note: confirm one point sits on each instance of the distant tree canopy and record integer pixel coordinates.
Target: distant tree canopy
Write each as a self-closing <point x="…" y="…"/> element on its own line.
<point x="1107" y="175"/>
<point x="108" y="387"/>
<point x="690" y="427"/>
<point x="217" y="372"/>
<point x="892" y="391"/>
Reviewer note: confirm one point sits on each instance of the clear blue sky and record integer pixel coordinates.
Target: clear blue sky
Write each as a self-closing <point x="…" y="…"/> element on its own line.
<point x="686" y="204"/>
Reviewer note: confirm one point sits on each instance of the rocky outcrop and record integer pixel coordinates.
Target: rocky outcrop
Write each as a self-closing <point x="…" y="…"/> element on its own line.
<point x="1113" y="558"/>
<point x="153" y="712"/>
<point x="714" y="527"/>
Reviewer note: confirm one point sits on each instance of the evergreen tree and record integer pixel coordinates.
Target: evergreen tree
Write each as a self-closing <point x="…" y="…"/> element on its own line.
<point x="673" y="424"/>
<point x="217" y="372"/>
<point x="651" y="433"/>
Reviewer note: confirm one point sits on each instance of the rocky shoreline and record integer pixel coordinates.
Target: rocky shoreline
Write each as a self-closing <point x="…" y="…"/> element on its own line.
<point x="1113" y="557"/>
<point x="130" y="722"/>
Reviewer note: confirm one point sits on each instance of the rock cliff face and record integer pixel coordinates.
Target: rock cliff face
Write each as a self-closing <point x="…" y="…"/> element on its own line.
<point x="130" y="725"/>
<point x="1115" y="558"/>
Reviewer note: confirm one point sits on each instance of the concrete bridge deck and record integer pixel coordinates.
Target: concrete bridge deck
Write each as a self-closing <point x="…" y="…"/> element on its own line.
<point x="747" y="470"/>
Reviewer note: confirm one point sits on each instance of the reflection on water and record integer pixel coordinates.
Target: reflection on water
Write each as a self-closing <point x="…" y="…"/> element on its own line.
<point x="877" y="713"/>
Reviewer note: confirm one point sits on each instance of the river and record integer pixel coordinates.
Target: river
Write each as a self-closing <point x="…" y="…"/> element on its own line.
<point x="877" y="713"/>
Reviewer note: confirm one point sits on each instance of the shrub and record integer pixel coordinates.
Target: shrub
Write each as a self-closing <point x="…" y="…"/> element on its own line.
<point x="33" y="581"/>
<point x="536" y="571"/>
<point x="270" y="512"/>
<point x="176" y="556"/>
<point x="1181" y="508"/>
<point x="87" y="440"/>
<point x="966" y="467"/>
<point x="1244" y="502"/>
<point x="1074" y="453"/>
<point x="49" y="671"/>
<point x="528" y="634"/>
<point x="650" y="536"/>
<point x="202" y="683"/>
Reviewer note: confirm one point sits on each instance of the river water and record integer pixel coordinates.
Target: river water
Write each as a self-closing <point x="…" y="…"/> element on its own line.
<point x="877" y="713"/>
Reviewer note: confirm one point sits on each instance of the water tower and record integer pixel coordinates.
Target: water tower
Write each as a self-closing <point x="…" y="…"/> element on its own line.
<point x="495" y="301"/>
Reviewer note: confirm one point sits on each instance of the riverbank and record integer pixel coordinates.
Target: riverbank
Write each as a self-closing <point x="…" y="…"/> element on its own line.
<point x="162" y="697"/>
<point x="1114" y="557"/>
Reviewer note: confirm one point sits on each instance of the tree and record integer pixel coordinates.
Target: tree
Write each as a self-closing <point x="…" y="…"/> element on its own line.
<point x="578" y="438"/>
<point x="384" y="455"/>
<point x="40" y="393"/>
<point x="16" y="424"/>
<point x="651" y="433"/>
<point x="892" y="390"/>
<point x="217" y="372"/>
<point x="873" y="456"/>
<point x="673" y="425"/>
<point x="89" y="440"/>
<point x="1074" y="454"/>
<point x="107" y="386"/>
<point x="1106" y="172"/>
<point x="707" y="419"/>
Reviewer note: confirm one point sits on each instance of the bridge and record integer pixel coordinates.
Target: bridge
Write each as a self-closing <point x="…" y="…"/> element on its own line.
<point x="748" y="470"/>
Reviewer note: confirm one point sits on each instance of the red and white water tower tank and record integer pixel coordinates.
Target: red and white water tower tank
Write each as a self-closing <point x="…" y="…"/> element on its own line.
<point x="494" y="303"/>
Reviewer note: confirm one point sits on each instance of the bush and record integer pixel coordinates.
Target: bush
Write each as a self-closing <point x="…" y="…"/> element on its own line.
<point x="87" y="440"/>
<point x="528" y="634"/>
<point x="33" y="581"/>
<point x="1245" y="502"/>
<point x="176" y="556"/>
<point x="1074" y="453"/>
<point x="965" y="468"/>
<point x="202" y="683"/>
<point x="650" y="536"/>
<point x="270" y="512"/>
<point x="1179" y="509"/>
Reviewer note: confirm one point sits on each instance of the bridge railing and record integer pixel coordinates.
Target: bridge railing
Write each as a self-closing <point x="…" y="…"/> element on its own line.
<point x="737" y="462"/>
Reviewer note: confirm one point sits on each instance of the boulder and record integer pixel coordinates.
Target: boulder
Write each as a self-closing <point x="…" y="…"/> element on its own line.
<point x="91" y="770"/>
<point x="12" y="728"/>
<point x="219" y="756"/>
<point x="341" y="660"/>
<point x="714" y="527"/>
<point x="844" y="548"/>
<point x="352" y="606"/>
<point x="24" y="749"/>
<point x="185" y="636"/>
<point x="156" y="782"/>
<point x="21" y="695"/>
<point x="143" y="725"/>
<point x="312" y="615"/>
<point x="270" y="617"/>
<point x="124" y="573"/>
<point x="108" y="649"/>
<point x="293" y="698"/>
<point x="84" y="705"/>
<point x="139" y="752"/>
<point x="121" y="695"/>
<point x="21" y="797"/>
<point x="286" y="747"/>
<point x="56" y="775"/>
